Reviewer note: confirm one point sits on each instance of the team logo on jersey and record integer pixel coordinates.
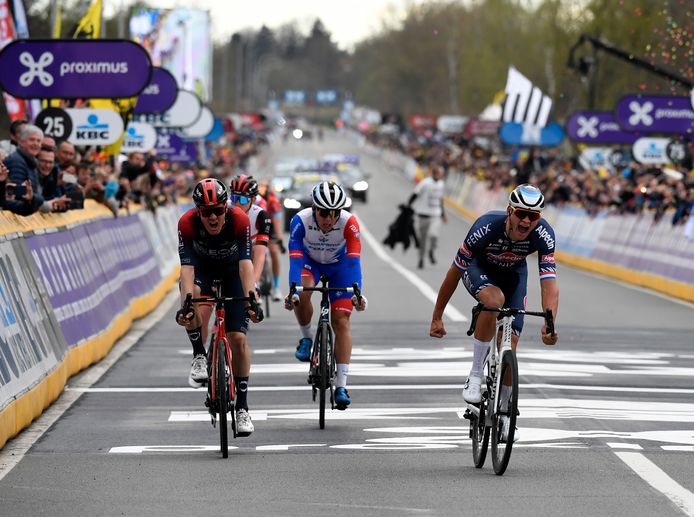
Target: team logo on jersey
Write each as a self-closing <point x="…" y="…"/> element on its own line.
<point x="549" y="259"/>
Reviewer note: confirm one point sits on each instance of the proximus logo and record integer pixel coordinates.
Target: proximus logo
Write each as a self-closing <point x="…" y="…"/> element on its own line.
<point x="36" y="69"/>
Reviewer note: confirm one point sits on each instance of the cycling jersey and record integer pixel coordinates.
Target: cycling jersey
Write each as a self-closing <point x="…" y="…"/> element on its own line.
<point x="336" y="254"/>
<point x="197" y="247"/>
<point x="216" y="257"/>
<point x="487" y="257"/>
<point x="261" y="225"/>
<point x="488" y="245"/>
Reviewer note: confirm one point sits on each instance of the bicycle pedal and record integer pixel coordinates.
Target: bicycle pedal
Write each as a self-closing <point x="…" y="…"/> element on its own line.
<point x="467" y="415"/>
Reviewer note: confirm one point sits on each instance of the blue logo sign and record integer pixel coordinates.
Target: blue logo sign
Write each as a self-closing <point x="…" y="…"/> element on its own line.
<point x="514" y="133"/>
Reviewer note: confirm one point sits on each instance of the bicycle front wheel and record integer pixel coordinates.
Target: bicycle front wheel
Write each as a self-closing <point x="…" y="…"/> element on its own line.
<point x="323" y="377"/>
<point x="479" y="434"/>
<point x="222" y="398"/>
<point x="502" y="445"/>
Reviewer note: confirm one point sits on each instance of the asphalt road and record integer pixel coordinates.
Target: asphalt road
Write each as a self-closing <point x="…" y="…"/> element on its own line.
<point x="606" y="424"/>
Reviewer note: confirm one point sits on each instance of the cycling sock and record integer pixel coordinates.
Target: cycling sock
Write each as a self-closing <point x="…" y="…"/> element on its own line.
<point x="341" y="377"/>
<point x="195" y="337"/>
<point x="505" y="396"/>
<point x="276" y="281"/>
<point x="480" y="349"/>
<point x="306" y="331"/>
<point x="241" y="392"/>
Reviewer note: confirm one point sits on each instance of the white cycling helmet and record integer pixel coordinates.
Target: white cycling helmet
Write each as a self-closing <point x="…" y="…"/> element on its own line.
<point x="528" y="197"/>
<point x="328" y="195"/>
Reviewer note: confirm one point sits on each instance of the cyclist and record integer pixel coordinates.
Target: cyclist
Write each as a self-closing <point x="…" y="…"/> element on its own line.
<point x="214" y="242"/>
<point x="491" y="262"/>
<point x="244" y="190"/>
<point x="274" y="208"/>
<point x="324" y="240"/>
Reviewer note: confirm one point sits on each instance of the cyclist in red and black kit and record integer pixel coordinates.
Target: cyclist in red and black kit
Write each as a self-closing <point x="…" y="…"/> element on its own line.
<point x="214" y="242"/>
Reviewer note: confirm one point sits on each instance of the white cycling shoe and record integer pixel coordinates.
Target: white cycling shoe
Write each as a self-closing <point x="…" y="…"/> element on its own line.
<point x="472" y="393"/>
<point x="505" y="424"/>
<point x="276" y="294"/>
<point x="198" y="372"/>
<point x="244" y="425"/>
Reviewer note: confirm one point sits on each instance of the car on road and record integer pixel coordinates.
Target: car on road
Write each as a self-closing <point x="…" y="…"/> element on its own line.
<point x="298" y="195"/>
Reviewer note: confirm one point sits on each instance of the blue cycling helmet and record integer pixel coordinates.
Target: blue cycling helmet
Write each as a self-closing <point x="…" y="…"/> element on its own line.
<point x="528" y="197"/>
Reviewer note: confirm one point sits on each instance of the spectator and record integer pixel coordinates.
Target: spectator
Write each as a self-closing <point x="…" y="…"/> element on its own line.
<point x="66" y="153"/>
<point x="24" y="174"/>
<point x="10" y="146"/>
<point x="428" y="207"/>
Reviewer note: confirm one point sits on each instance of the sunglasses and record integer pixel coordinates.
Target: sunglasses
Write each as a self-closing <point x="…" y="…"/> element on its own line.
<point x="240" y="199"/>
<point x="521" y="214"/>
<point x="216" y="210"/>
<point x="325" y="212"/>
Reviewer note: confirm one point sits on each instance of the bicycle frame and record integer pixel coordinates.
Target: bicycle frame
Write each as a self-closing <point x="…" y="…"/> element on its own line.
<point x="322" y="368"/>
<point x="222" y="399"/>
<point x="500" y="362"/>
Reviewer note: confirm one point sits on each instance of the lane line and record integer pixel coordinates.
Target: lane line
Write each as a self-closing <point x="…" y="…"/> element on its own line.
<point x="658" y="479"/>
<point x="16" y="448"/>
<point x="451" y="312"/>
<point x="381" y="387"/>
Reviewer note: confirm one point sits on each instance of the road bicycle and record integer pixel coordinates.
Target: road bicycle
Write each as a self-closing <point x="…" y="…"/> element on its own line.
<point x="322" y="369"/>
<point x="221" y="391"/>
<point x="500" y="367"/>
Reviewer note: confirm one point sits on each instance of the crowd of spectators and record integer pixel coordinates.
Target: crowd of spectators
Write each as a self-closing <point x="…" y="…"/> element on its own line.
<point x="625" y="188"/>
<point x="40" y="174"/>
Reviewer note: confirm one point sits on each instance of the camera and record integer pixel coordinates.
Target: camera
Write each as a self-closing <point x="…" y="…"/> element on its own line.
<point x="76" y="200"/>
<point x="17" y="190"/>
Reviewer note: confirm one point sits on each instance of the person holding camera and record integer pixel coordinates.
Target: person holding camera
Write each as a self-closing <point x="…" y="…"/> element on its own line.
<point x="23" y="184"/>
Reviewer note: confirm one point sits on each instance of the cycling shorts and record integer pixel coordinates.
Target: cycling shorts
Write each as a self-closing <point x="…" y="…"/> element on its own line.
<point x="235" y="313"/>
<point x="514" y="285"/>
<point x="338" y="276"/>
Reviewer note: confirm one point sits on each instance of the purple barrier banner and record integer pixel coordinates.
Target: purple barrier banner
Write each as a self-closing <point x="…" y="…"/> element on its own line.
<point x="69" y="69"/>
<point x="172" y="147"/>
<point x="93" y="271"/>
<point x="655" y="114"/>
<point x="160" y="93"/>
<point x="597" y="127"/>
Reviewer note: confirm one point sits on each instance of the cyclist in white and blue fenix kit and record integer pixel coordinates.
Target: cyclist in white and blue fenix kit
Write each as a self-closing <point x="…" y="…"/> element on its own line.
<point x="491" y="262"/>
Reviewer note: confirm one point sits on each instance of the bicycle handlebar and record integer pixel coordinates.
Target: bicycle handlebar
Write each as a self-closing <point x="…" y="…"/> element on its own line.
<point x="254" y="306"/>
<point x="294" y="289"/>
<point x="507" y="311"/>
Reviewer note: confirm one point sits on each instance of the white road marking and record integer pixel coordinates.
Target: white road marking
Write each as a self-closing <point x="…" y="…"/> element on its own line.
<point x="451" y="312"/>
<point x="140" y="449"/>
<point x="658" y="479"/>
<point x="288" y="446"/>
<point x="619" y="445"/>
<point x="391" y="387"/>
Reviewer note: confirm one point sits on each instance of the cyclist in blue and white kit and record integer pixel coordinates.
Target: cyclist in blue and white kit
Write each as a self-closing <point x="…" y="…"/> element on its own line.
<point x="492" y="264"/>
<point x="324" y="240"/>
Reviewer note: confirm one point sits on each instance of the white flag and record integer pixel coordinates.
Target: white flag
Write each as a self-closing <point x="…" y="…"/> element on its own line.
<point x="524" y="102"/>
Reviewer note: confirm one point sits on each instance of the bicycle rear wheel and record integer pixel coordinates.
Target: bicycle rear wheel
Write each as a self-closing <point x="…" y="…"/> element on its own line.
<point x="323" y="378"/>
<point x="501" y="450"/>
<point x="222" y="399"/>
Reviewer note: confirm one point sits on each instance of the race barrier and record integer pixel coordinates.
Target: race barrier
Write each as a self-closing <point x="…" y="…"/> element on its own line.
<point x="70" y="286"/>
<point x="634" y="248"/>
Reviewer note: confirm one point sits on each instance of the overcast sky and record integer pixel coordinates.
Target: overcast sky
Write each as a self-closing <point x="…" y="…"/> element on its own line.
<point x="349" y="21"/>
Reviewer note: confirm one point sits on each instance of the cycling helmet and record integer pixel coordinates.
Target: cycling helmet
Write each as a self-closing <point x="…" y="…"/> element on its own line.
<point x="528" y="197"/>
<point x="328" y="195"/>
<point x="243" y="185"/>
<point x="209" y="192"/>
